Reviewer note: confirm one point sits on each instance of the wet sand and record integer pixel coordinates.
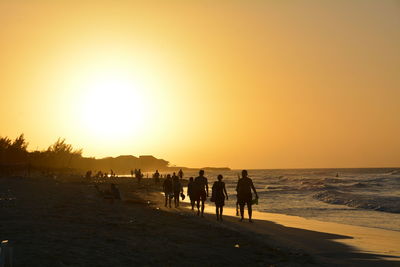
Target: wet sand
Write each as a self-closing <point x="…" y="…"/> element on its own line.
<point x="64" y="222"/>
<point x="350" y="244"/>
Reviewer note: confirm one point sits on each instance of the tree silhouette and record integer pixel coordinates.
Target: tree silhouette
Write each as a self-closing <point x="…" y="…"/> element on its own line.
<point x="61" y="147"/>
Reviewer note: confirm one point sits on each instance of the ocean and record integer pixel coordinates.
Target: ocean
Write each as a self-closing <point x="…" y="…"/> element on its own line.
<point x="367" y="197"/>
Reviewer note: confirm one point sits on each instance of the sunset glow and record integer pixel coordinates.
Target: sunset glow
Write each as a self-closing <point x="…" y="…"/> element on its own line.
<point x="269" y="84"/>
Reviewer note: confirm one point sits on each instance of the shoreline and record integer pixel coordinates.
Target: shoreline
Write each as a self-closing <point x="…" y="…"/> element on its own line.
<point x="364" y="243"/>
<point x="365" y="239"/>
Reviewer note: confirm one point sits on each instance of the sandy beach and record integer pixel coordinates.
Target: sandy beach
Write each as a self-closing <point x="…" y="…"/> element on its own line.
<point x="64" y="222"/>
<point x="330" y="242"/>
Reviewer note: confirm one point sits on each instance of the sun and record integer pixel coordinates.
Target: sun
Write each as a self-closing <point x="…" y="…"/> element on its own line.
<point x="113" y="106"/>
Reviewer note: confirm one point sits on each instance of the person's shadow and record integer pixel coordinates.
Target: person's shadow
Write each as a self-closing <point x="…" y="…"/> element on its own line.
<point x="322" y="246"/>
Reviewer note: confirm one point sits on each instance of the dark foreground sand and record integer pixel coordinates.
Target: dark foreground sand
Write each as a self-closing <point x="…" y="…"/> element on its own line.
<point x="64" y="222"/>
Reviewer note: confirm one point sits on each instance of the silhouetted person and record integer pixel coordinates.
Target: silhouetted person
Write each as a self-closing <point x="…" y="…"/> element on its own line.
<point x="131" y="173"/>
<point x="219" y="193"/>
<point x="177" y="186"/>
<point x="243" y="188"/>
<point x="168" y="190"/>
<point x="139" y="175"/>
<point x="180" y="174"/>
<point x="99" y="174"/>
<point x="156" y="177"/>
<point x="201" y="189"/>
<point x="190" y="192"/>
<point x="88" y="175"/>
<point x="237" y="200"/>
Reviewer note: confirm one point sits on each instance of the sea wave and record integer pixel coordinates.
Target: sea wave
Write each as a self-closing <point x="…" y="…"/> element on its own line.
<point x="373" y="202"/>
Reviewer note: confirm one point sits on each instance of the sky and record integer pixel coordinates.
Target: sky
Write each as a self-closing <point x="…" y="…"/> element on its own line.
<point x="243" y="84"/>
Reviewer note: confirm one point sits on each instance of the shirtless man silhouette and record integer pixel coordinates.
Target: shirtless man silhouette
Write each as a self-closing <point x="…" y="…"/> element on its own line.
<point x="201" y="188"/>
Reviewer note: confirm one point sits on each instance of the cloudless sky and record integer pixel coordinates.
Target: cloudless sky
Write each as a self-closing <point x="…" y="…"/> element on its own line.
<point x="244" y="84"/>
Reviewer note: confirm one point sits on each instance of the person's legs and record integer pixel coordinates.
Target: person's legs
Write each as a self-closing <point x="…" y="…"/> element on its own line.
<point x="170" y="200"/>
<point x="217" y="212"/>
<point x="166" y="199"/>
<point x="192" y="203"/>
<point x="241" y="205"/>
<point x="250" y="210"/>
<point x="221" y="209"/>
<point x="198" y="206"/>
<point x="202" y="208"/>
<point x="176" y="199"/>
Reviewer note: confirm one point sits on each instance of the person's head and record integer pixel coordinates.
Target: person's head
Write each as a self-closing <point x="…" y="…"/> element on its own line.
<point x="168" y="176"/>
<point x="191" y="179"/>
<point x="219" y="177"/>
<point x="174" y="174"/>
<point x="244" y="173"/>
<point x="201" y="172"/>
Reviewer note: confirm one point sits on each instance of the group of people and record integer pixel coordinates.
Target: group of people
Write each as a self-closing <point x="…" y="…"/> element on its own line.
<point x="173" y="189"/>
<point x="138" y="174"/>
<point x="100" y="174"/>
<point x="198" y="192"/>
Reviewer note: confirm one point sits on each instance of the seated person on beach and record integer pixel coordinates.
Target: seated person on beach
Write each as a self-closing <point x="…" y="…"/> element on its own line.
<point x="218" y="195"/>
<point x="243" y="188"/>
<point x="177" y="187"/>
<point x="201" y="189"/>
<point x="190" y="192"/>
<point x="168" y="190"/>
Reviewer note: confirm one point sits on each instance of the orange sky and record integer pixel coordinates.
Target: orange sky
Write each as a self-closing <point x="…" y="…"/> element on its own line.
<point x="245" y="84"/>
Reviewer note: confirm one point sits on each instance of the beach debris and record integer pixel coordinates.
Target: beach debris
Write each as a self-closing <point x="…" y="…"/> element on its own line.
<point x="237" y="246"/>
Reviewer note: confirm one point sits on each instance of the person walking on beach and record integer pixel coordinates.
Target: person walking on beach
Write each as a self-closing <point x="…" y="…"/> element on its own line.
<point x="243" y="188"/>
<point x="190" y="192"/>
<point x="201" y="188"/>
<point x="156" y="177"/>
<point x="168" y="191"/>
<point x="139" y="175"/>
<point x="218" y="194"/>
<point x="180" y="174"/>
<point x="178" y="189"/>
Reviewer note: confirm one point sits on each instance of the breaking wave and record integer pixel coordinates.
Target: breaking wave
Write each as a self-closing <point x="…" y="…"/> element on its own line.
<point x="372" y="202"/>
